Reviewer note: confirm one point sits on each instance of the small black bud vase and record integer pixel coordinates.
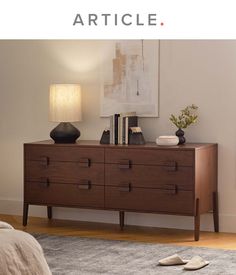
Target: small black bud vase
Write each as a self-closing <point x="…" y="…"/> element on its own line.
<point x="180" y="134"/>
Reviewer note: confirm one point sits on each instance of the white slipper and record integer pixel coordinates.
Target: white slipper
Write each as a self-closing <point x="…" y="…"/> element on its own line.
<point x="196" y="263"/>
<point x="4" y="225"/>
<point x="172" y="260"/>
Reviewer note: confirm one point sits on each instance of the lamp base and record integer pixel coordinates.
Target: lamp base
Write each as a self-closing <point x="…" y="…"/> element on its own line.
<point x="65" y="132"/>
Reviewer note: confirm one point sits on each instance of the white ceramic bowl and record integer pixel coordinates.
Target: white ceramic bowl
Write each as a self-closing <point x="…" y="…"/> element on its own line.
<point x="167" y="140"/>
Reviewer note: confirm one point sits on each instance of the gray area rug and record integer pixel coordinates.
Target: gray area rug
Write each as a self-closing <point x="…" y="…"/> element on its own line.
<point x="87" y="256"/>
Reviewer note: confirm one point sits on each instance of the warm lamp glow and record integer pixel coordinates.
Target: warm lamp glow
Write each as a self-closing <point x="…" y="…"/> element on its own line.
<point x="65" y="103"/>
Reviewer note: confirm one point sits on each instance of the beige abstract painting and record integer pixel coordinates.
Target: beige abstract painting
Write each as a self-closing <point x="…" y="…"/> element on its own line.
<point x="131" y="78"/>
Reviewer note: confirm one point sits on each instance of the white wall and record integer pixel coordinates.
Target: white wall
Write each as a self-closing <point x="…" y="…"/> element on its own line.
<point x="200" y="72"/>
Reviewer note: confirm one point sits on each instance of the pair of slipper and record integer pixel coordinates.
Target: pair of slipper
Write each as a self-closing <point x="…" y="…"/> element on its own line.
<point x="195" y="263"/>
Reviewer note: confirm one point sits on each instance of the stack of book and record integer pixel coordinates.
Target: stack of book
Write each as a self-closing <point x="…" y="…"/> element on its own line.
<point x="120" y="125"/>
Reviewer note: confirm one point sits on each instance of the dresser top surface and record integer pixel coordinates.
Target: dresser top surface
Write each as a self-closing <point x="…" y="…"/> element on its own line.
<point x="148" y="145"/>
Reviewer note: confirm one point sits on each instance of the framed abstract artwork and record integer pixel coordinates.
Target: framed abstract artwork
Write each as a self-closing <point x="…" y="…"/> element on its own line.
<point x="130" y="77"/>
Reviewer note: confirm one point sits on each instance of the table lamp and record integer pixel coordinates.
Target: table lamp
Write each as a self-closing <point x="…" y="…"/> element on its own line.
<point x="65" y="107"/>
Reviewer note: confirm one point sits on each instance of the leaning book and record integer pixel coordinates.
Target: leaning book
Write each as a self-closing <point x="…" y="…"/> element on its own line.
<point x="131" y="121"/>
<point x="121" y="130"/>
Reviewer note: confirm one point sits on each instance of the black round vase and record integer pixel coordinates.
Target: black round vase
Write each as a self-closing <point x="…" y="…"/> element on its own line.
<point x="65" y="132"/>
<point x="180" y="134"/>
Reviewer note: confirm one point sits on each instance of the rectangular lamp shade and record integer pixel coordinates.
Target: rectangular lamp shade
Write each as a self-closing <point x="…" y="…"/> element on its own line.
<point x="65" y="103"/>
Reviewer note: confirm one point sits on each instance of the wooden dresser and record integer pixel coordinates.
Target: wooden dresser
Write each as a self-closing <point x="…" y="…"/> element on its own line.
<point x="179" y="180"/>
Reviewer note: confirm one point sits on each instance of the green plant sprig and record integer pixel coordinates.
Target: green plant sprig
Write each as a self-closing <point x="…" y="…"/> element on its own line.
<point x="187" y="117"/>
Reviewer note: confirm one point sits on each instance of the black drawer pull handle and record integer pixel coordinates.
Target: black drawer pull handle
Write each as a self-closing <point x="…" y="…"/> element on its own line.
<point x="84" y="184"/>
<point x="44" y="161"/>
<point x="84" y="162"/>
<point x="124" y="164"/>
<point x="44" y="183"/>
<point x="125" y="187"/>
<point x="171" y="166"/>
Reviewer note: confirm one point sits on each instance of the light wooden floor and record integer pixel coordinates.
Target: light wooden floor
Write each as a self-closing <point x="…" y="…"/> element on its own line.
<point x="131" y="233"/>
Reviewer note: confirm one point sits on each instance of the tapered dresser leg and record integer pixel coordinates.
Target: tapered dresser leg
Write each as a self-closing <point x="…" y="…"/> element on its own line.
<point x="215" y="211"/>
<point x="197" y="221"/>
<point x="49" y="210"/>
<point x="25" y="213"/>
<point x="122" y="219"/>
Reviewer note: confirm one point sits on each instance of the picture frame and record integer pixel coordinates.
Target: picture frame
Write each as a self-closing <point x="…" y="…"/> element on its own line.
<point x="130" y="78"/>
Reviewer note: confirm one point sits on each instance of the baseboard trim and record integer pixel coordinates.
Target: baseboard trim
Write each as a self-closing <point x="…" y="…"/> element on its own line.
<point x="15" y="207"/>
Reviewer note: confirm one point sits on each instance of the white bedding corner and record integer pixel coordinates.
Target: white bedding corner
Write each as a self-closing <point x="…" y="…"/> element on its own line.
<point x="20" y="253"/>
<point x="5" y="225"/>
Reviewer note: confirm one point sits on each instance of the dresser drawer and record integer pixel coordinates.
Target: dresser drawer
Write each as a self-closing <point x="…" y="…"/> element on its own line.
<point x="46" y="154"/>
<point x="150" y="157"/>
<point x="150" y="176"/>
<point x="149" y="200"/>
<point x="64" y="194"/>
<point x="64" y="172"/>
